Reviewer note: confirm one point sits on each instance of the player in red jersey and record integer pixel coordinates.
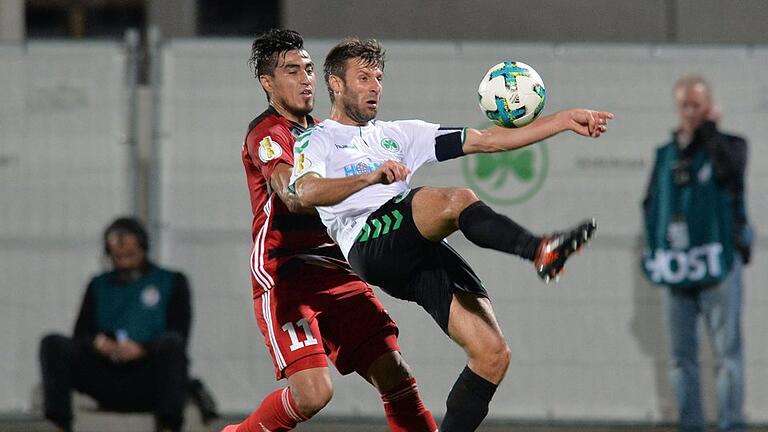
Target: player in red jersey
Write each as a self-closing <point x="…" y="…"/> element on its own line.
<point x="307" y="301"/>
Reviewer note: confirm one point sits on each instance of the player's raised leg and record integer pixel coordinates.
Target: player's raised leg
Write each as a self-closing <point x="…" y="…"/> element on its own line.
<point x="438" y="212"/>
<point x="555" y="249"/>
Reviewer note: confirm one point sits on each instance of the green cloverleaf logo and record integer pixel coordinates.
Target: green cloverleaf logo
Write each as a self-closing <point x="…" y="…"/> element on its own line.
<point x="500" y="165"/>
<point x="507" y="178"/>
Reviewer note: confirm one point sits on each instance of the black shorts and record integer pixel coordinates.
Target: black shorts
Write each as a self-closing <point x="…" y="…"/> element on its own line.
<point x="391" y="253"/>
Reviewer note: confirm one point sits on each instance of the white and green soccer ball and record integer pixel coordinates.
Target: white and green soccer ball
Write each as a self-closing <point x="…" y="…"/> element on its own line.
<point x="512" y="94"/>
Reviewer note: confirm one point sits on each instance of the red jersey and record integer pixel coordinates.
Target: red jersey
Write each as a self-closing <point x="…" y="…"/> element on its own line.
<point x="278" y="235"/>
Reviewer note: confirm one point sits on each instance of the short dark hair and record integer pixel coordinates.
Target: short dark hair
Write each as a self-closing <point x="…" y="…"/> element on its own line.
<point x="369" y="51"/>
<point x="267" y="48"/>
<point x="127" y="225"/>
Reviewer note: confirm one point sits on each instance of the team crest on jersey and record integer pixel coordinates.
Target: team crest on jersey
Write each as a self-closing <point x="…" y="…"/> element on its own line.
<point x="390" y="145"/>
<point x="269" y="150"/>
<point x="302" y="163"/>
<point x="150" y="296"/>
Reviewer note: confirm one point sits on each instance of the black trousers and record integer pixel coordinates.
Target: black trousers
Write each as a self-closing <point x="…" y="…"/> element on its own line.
<point x="156" y="383"/>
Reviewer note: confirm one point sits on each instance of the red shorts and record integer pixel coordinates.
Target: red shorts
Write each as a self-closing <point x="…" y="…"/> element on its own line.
<point x="317" y="312"/>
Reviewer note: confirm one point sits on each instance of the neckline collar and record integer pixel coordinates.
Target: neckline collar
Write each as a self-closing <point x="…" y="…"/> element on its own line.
<point x="310" y="120"/>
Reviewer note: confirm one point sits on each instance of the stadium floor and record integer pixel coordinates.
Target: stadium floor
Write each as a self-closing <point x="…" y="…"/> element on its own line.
<point x="331" y="425"/>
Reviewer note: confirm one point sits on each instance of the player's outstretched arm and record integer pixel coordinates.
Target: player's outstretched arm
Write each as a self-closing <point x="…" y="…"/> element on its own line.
<point x="495" y="139"/>
<point x="313" y="190"/>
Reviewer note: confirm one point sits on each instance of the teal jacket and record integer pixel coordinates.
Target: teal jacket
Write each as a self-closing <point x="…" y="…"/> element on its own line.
<point x="155" y="303"/>
<point x="695" y="211"/>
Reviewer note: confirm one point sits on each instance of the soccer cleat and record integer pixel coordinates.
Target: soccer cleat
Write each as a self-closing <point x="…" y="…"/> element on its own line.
<point x="554" y="250"/>
<point x="230" y="428"/>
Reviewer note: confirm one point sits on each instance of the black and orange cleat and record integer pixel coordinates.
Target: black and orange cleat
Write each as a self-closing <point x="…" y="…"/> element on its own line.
<point x="554" y="249"/>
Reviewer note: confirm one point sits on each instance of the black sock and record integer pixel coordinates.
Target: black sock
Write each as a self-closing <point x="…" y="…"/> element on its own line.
<point x="467" y="403"/>
<point x="486" y="228"/>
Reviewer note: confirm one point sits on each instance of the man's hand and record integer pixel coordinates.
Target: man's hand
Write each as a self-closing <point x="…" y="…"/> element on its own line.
<point x="105" y="345"/>
<point x="388" y="173"/>
<point x="128" y="350"/>
<point x="118" y="351"/>
<point x="313" y="190"/>
<point x="587" y="122"/>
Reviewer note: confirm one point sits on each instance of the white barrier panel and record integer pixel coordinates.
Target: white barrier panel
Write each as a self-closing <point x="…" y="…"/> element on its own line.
<point x="589" y="348"/>
<point x="62" y="179"/>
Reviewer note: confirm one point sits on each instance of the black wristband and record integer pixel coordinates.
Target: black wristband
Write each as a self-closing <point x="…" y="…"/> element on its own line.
<point x="449" y="143"/>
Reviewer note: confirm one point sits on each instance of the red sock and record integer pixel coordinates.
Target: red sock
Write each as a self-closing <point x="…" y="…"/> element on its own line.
<point x="277" y="413"/>
<point x="405" y="411"/>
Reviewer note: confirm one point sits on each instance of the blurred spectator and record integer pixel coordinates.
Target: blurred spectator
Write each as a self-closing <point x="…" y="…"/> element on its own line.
<point x="129" y="346"/>
<point x="697" y="239"/>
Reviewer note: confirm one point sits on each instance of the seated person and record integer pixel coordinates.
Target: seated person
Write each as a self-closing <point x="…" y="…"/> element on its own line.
<point x="128" y="351"/>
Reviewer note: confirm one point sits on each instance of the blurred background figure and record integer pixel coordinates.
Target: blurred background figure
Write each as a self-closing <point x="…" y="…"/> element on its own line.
<point x="128" y="351"/>
<point x="697" y="239"/>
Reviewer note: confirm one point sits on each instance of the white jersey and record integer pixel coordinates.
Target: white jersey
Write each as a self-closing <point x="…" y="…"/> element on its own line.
<point x="334" y="150"/>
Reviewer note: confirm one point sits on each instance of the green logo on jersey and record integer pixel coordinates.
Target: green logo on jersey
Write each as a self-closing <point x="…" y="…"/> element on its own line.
<point x="300" y="146"/>
<point x="390" y="144"/>
<point x="507" y="178"/>
<point x="380" y="226"/>
<point x="302" y="141"/>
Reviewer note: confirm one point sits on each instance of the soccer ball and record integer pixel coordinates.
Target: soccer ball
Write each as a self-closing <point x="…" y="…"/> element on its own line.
<point x="511" y="94"/>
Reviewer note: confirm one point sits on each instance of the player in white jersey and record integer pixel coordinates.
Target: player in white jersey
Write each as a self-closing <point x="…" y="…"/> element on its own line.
<point x="356" y="171"/>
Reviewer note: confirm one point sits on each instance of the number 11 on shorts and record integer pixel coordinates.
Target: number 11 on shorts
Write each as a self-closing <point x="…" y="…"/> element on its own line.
<point x="295" y="342"/>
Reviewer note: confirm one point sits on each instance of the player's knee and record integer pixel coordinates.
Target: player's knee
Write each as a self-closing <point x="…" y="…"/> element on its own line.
<point x="463" y="196"/>
<point x="310" y="403"/>
<point x="311" y="389"/>
<point x="459" y="199"/>
<point x="504" y="358"/>
<point x="493" y="360"/>
<point x="389" y="371"/>
<point x="498" y="356"/>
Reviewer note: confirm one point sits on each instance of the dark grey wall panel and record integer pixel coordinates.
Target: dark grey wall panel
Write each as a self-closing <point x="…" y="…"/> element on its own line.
<point x="546" y="20"/>
<point x="722" y="21"/>
<point x="650" y="21"/>
<point x="174" y="18"/>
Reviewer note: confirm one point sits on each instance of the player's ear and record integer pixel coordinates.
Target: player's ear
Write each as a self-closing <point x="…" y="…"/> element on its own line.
<point x="335" y="84"/>
<point x="266" y="82"/>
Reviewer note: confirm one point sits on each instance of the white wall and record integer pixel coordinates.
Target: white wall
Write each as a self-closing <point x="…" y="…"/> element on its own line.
<point x="591" y="347"/>
<point x="63" y="176"/>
